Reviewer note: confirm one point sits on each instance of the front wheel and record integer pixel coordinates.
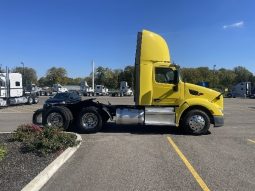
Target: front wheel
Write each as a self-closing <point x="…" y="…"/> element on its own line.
<point x="196" y="122"/>
<point x="89" y="120"/>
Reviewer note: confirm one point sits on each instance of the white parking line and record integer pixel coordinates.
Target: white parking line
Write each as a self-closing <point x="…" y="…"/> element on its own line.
<point x="251" y="140"/>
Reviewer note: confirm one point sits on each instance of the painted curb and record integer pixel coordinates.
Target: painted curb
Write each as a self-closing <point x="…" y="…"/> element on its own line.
<point x="43" y="177"/>
<point x="6" y="132"/>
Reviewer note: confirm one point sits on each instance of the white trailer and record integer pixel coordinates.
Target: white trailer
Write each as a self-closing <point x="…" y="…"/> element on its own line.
<point x="11" y="90"/>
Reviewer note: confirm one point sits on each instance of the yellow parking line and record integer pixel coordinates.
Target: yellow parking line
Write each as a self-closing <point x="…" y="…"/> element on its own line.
<point x="189" y="166"/>
<point x="251" y="140"/>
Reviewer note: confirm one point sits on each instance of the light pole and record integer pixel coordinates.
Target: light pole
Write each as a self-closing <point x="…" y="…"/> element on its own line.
<point x="214" y="66"/>
<point x="23" y="72"/>
<point x="22" y="63"/>
<point x="93" y="75"/>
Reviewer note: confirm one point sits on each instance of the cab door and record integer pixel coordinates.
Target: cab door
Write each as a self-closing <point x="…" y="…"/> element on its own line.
<point x="166" y="90"/>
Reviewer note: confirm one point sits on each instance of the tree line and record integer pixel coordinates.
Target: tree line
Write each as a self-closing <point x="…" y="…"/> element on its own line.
<point x="219" y="79"/>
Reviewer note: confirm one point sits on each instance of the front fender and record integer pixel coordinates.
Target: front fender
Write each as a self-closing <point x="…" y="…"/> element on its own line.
<point x="211" y="107"/>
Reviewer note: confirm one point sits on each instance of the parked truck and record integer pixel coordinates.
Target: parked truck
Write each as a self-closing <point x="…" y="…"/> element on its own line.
<point x="86" y="89"/>
<point x="242" y="89"/>
<point x="101" y="90"/>
<point x="161" y="98"/>
<point x="12" y="92"/>
<point x="45" y="91"/>
<point x="59" y="88"/>
<point x="125" y="90"/>
<point x="32" y="88"/>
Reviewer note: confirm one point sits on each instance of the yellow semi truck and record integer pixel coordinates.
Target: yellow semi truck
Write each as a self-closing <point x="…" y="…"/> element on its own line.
<point x="161" y="98"/>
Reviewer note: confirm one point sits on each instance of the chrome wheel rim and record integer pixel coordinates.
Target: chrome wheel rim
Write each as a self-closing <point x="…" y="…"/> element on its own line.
<point x="55" y="120"/>
<point x="197" y="123"/>
<point x="89" y="120"/>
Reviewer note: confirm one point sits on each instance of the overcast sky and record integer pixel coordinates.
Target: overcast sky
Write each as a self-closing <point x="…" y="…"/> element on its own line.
<point x="70" y="33"/>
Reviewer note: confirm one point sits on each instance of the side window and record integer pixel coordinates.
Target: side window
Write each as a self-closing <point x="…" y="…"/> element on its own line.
<point x="2" y="83"/>
<point x="17" y="83"/>
<point x="164" y="75"/>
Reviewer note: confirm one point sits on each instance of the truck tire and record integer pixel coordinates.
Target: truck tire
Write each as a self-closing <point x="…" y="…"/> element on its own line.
<point x="35" y="100"/>
<point x="37" y="117"/>
<point x="70" y="115"/>
<point x="89" y="120"/>
<point x="57" y="117"/>
<point x="196" y="122"/>
<point x="30" y="101"/>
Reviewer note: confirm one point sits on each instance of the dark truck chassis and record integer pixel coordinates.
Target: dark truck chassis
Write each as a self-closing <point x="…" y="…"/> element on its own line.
<point x="90" y="116"/>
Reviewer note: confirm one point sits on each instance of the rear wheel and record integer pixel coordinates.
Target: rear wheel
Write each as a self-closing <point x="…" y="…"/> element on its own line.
<point x="57" y="117"/>
<point x="37" y="117"/>
<point x="89" y="120"/>
<point x="196" y="122"/>
<point x="30" y="101"/>
<point x="36" y="100"/>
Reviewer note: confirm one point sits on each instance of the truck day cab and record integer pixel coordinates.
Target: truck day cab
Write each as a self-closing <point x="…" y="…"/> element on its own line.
<point x="11" y="90"/>
<point x="161" y="98"/>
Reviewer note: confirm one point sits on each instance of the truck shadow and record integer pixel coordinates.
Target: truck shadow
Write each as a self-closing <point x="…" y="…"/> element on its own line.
<point x="143" y="130"/>
<point x="111" y="127"/>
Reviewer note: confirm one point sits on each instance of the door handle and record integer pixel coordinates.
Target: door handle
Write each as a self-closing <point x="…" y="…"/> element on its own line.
<point x="157" y="100"/>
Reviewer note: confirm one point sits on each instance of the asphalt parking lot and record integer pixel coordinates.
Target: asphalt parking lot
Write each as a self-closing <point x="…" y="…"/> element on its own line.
<point x="157" y="158"/>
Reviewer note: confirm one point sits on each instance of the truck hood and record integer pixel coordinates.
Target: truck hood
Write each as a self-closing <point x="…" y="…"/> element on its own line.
<point x="195" y="91"/>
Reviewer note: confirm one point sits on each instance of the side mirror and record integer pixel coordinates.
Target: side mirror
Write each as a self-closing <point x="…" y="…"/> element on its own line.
<point x="176" y="80"/>
<point x="176" y="77"/>
<point x="175" y="88"/>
